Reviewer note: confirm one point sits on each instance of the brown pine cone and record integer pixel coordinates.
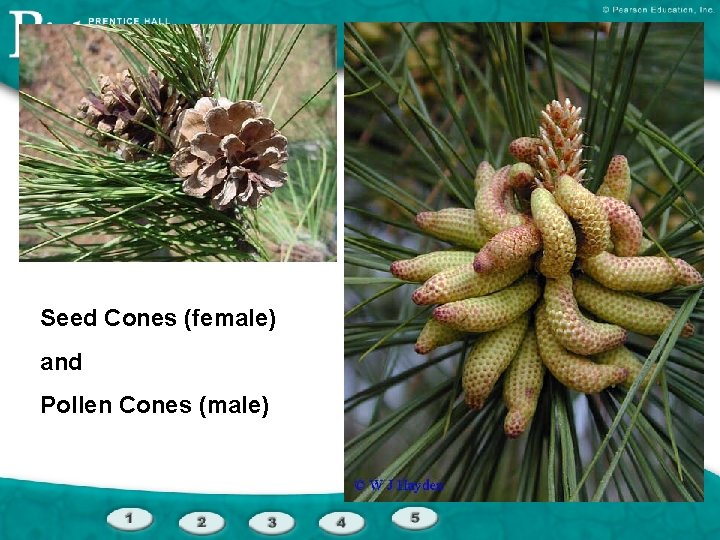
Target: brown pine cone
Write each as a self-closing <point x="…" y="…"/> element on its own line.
<point x="142" y="114"/>
<point x="229" y="152"/>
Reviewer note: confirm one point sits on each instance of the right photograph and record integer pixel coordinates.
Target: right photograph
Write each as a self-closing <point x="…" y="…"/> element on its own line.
<point x="524" y="250"/>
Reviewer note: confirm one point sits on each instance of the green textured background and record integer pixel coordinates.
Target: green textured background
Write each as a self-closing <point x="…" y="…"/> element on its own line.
<point x="49" y="512"/>
<point x="38" y="511"/>
<point x="335" y="11"/>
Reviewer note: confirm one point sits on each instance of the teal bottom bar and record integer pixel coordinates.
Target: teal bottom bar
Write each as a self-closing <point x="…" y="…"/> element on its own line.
<point x="40" y="511"/>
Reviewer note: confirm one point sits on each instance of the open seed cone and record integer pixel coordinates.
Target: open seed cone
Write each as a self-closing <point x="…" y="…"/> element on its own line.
<point x="132" y="116"/>
<point x="229" y="152"/>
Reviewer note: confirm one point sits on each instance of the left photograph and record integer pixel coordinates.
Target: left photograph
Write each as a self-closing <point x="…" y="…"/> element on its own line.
<point x="178" y="143"/>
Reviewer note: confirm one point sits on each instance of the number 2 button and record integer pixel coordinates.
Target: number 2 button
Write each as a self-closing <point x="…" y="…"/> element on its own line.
<point x="202" y="523"/>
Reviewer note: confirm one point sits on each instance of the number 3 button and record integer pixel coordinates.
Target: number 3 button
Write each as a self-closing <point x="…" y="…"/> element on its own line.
<point x="342" y="523"/>
<point x="272" y="523"/>
<point x="202" y="523"/>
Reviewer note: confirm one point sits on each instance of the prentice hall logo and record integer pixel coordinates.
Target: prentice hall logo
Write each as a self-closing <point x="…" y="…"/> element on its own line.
<point x="34" y="17"/>
<point x="23" y="17"/>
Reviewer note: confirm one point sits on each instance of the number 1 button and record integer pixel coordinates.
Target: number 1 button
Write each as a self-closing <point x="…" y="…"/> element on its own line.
<point x="342" y="523"/>
<point x="130" y="519"/>
<point x="272" y="523"/>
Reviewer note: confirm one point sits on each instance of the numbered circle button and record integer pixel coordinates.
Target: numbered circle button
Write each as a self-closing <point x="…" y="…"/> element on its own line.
<point x="202" y="523"/>
<point x="342" y="523"/>
<point x="272" y="523"/>
<point x="130" y="519"/>
<point x="415" y="518"/>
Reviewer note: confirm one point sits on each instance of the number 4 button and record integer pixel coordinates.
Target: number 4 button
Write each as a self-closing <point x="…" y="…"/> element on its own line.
<point x="342" y="523"/>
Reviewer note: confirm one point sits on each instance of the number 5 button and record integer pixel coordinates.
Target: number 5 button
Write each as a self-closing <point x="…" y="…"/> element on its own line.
<point x="342" y="523"/>
<point x="415" y="518"/>
<point x="272" y="523"/>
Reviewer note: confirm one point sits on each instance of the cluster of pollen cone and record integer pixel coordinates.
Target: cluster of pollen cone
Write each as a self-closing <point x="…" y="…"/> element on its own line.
<point x="549" y="274"/>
